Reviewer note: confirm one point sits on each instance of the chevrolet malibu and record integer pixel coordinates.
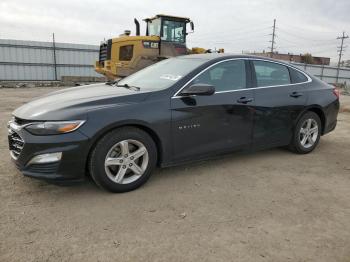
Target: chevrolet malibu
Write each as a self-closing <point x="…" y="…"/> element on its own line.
<point x="178" y="110"/>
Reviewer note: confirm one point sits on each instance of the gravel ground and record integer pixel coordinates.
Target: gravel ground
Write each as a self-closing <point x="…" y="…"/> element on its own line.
<point x="266" y="206"/>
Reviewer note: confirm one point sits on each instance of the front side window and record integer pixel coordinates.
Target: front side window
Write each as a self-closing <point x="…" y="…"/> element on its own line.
<point x="173" y="31"/>
<point x="126" y="52"/>
<point x="271" y="74"/>
<point x="225" y="76"/>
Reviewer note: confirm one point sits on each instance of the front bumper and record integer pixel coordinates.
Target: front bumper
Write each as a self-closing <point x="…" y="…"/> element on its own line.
<point x="71" y="166"/>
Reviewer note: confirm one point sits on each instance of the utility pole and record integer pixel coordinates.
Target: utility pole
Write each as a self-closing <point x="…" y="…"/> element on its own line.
<point x="341" y="50"/>
<point x="343" y="37"/>
<point x="54" y="55"/>
<point x="273" y="38"/>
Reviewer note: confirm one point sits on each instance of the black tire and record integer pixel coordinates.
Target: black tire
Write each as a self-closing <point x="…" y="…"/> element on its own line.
<point x="296" y="143"/>
<point x="101" y="149"/>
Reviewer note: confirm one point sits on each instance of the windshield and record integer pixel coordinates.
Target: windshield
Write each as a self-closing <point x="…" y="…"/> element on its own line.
<point x="174" y="31"/>
<point x="162" y="74"/>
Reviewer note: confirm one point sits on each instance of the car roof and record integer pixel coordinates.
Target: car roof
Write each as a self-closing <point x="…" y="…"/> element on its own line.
<point x="223" y="56"/>
<point x="217" y="57"/>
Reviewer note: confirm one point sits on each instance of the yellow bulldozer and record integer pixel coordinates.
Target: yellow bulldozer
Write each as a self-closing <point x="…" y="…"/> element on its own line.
<point x="165" y="37"/>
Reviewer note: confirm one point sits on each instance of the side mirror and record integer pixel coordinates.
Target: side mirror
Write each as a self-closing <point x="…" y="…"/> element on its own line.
<point x="199" y="90"/>
<point x="192" y="26"/>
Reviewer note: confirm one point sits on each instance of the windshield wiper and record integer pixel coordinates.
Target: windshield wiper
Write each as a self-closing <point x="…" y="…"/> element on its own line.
<point x="111" y="83"/>
<point x="129" y="87"/>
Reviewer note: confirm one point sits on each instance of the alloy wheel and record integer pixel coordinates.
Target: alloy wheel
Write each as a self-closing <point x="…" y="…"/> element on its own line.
<point x="308" y="133"/>
<point x="126" y="161"/>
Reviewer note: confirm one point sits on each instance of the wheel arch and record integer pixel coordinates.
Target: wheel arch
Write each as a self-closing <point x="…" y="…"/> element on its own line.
<point x="317" y="110"/>
<point x="137" y="124"/>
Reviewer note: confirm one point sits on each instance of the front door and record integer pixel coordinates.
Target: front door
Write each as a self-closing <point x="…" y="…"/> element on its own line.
<point x="205" y="125"/>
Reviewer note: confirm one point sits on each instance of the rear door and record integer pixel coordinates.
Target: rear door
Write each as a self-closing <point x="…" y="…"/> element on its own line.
<point x="279" y="99"/>
<point x="204" y="125"/>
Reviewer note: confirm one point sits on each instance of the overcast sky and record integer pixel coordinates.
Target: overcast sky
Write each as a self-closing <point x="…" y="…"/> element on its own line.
<point x="235" y="25"/>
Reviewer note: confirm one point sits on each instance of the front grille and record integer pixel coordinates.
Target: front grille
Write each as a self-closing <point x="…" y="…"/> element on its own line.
<point x="16" y="143"/>
<point x="105" y="51"/>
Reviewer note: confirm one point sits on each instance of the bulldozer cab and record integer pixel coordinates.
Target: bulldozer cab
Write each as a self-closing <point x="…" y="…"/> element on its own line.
<point x="172" y="31"/>
<point x="168" y="28"/>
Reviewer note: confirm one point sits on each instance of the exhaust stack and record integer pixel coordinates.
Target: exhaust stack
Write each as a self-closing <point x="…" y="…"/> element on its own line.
<point x="137" y="26"/>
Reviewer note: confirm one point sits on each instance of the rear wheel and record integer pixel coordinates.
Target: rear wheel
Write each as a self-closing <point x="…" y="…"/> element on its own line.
<point x="306" y="133"/>
<point x="123" y="160"/>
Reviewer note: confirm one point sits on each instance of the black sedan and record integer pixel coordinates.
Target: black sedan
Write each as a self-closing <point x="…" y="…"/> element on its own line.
<point x="178" y="110"/>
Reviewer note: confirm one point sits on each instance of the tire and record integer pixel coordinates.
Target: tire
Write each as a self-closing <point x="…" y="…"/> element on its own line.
<point x="306" y="134"/>
<point x="116" y="163"/>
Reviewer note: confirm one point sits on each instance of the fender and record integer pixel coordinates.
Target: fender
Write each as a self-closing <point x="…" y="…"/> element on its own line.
<point x="130" y="122"/>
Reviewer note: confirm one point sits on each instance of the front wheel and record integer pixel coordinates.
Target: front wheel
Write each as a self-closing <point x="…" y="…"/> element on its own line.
<point x="306" y="133"/>
<point x="123" y="160"/>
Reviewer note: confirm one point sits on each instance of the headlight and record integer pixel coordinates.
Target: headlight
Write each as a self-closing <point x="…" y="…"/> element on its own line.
<point x="54" y="128"/>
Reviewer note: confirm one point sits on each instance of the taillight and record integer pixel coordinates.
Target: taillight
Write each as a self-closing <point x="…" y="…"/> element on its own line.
<point x="336" y="92"/>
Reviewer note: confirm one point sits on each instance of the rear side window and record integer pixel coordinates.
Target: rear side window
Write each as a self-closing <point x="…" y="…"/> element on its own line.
<point x="271" y="74"/>
<point x="297" y="77"/>
<point x="126" y="52"/>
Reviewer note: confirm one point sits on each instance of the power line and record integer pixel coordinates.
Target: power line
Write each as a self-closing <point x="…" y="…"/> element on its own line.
<point x="299" y="36"/>
<point x="304" y="28"/>
<point x="304" y="43"/>
<point x="289" y="44"/>
<point x="235" y="32"/>
<point x="322" y="51"/>
<point x="288" y="39"/>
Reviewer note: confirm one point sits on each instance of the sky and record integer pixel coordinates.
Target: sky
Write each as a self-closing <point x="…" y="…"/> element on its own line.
<point x="236" y="25"/>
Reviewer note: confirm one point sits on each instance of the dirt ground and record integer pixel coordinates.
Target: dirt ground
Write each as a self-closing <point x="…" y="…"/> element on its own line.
<point x="266" y="206"/>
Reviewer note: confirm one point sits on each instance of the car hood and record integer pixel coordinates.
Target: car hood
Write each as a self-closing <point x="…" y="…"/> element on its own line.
<point x="76" y="102"/>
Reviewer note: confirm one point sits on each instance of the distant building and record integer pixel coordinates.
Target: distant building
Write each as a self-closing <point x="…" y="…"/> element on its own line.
<point x="316" y="60"/>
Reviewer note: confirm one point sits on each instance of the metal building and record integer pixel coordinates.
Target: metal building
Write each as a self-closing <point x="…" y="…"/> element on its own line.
<point x="32" y="60"/>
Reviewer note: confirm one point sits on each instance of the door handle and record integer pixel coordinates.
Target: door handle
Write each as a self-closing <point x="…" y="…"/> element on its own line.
<point x="245" y="100"/>
<point x="296" y="94"/>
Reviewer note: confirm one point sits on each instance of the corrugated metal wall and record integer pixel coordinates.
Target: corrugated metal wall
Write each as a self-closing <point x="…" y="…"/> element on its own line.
<point x="32" y="60"/>
<point x="327" y="73"/>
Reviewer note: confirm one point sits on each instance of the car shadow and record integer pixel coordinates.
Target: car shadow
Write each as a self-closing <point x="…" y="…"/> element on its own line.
<point x="164" y="176"/>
